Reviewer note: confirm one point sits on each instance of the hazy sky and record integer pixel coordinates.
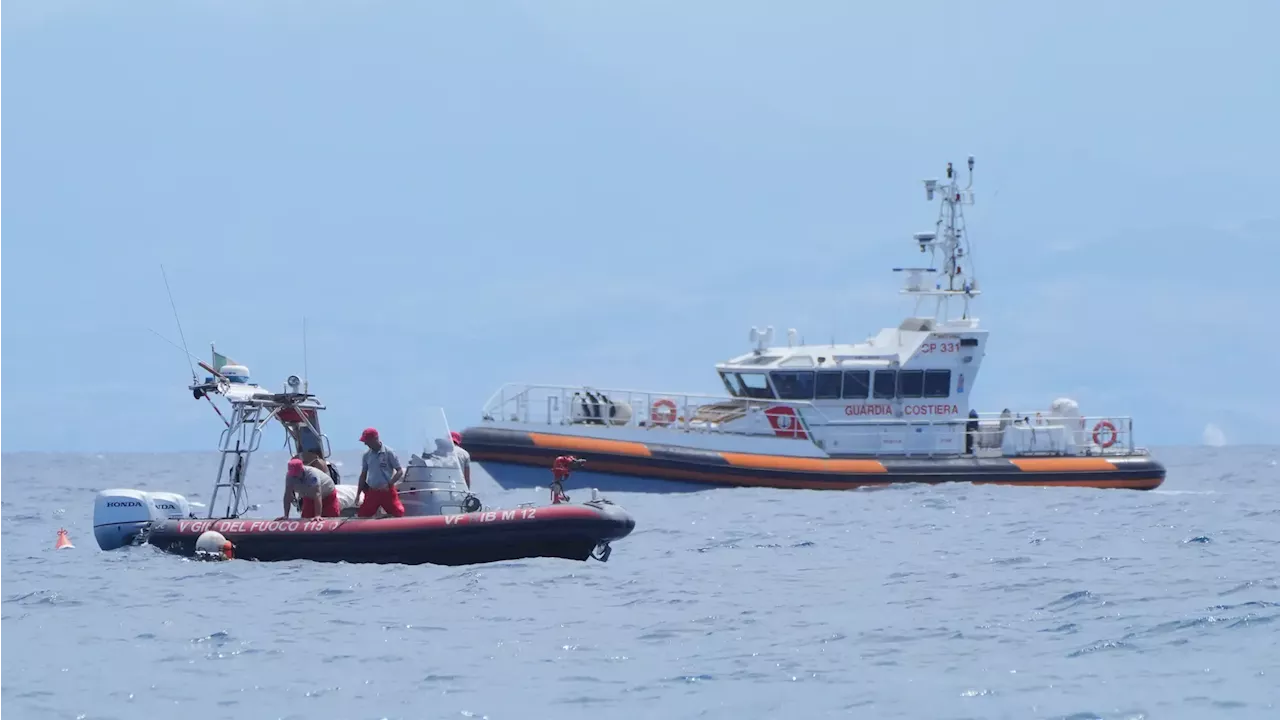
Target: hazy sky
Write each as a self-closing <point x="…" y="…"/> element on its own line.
<point x="462" y="194"/>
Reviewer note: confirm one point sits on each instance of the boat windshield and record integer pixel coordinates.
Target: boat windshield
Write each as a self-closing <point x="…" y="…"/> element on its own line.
<point x="432" y="436"/>
<point x="756" y="385"/>
<point x="731" y="383"/>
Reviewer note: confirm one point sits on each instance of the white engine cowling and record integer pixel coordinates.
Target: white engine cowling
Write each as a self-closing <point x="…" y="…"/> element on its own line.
<point x="170" y="506"/>
<point x="120" y="514"/>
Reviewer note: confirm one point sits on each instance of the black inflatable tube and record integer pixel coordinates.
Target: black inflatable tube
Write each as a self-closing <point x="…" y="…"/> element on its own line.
<point x="384" y="542"/>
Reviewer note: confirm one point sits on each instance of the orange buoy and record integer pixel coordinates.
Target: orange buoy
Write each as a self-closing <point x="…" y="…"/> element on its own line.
<point x="64" y="542"/>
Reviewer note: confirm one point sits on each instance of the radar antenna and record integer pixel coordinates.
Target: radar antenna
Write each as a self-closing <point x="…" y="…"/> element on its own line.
<point x="950" y="243"/>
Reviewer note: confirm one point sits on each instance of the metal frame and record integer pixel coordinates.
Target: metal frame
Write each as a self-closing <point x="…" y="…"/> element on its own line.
<point x="243" y="434"/>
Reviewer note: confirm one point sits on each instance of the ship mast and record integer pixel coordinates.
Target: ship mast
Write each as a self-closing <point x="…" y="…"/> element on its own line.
<point x="950" y="243"/>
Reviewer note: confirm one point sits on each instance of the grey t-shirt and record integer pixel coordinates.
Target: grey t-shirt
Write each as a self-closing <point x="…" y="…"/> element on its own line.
<point x="379" y="467"/>
<point x="312" y="478"/>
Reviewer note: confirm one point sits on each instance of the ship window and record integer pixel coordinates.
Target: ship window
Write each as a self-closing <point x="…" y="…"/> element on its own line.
<point x="937" y="383"/>
<point x="910" y="383"/>
<point x="731" y="383"/>
<point x="886" y="384"/>
<point x="827" y="386"/>
<point x="968" y="342"/>
<point x="793" y="385"/>
<point x="756" y="385"/>
<point x="856" y="384"/>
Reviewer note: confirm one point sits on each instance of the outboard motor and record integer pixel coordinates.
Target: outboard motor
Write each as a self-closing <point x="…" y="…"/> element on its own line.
<point x="120" y="515"/>
<point x="170" y="506"/>
<point x="433" y="483"/>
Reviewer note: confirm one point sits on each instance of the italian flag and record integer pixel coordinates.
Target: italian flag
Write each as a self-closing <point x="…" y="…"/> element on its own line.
<point x="220" y="360"/>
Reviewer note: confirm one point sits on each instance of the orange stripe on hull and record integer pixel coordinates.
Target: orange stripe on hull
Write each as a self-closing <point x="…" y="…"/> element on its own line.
<point x="1050" y="465"/>
<point x="775" y="462"/>
<point x="585" y="444"/>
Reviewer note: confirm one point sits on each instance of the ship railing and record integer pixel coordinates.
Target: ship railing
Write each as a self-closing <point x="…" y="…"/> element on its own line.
<point x="1098" y="434"/>
<point x="1033" y="433"/>
<point x="620" y="407"/>
<point x="956" y="437"/>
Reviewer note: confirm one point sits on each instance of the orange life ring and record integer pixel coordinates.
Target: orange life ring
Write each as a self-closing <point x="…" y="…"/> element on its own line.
<point x="663" y="412"/>
<point x="1098" y="430"/>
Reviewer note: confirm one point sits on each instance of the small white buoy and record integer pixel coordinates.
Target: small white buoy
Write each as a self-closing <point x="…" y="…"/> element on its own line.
<point x="211" y="545"/>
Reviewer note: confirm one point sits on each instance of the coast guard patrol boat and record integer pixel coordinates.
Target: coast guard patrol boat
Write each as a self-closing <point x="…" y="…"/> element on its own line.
<point x="893" y="408"/>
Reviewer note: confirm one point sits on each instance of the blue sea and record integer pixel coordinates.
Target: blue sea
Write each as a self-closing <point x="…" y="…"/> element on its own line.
<point x="909" y="602"/>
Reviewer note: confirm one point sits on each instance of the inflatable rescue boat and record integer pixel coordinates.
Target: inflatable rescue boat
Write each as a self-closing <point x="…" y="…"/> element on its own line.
<point x="444" y="522"/>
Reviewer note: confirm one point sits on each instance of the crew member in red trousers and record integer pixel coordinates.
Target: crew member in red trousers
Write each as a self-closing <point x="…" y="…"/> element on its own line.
<point x="378" y="477"/>
<point x="314" y="487"/>
<point x="560" y="469"/>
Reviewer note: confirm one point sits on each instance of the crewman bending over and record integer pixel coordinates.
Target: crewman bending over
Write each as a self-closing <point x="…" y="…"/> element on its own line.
<point x="315" y="488"/>
<point x="378" y="477"/>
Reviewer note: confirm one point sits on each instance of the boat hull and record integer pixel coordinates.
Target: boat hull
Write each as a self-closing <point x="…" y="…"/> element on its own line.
<point x="503" y="452"/>
<point x="569" y="531"/>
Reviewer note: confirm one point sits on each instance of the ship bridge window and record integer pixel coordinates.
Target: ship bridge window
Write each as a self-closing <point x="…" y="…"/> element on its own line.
<point x="856" y="384"/>
<point x="886" y="384"/>
<point x="731" y="384"/>
<point x="756" y="385"/>
<point x="797" y="385"/>
<point x="827" y="386"/>
<point x="910" y="383"/>
<point x="937" y="383"/>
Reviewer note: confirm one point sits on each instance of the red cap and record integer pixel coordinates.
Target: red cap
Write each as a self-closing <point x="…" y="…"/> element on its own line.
<point x="457" y="437"/>
<point x="295" y="468"/>
<point x="369" y="434"/>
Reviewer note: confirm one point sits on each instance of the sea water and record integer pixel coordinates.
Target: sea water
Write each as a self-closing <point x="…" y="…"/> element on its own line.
<point x="951" y="601"/>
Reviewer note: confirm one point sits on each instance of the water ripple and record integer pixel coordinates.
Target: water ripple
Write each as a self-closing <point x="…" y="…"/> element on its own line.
<point x="907" y="602"/>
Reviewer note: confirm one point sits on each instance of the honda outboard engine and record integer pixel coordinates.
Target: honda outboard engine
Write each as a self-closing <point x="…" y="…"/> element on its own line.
<point x="120" y="515"/>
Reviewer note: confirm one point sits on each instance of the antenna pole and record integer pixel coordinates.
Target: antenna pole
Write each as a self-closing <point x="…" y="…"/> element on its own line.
<point x="174" y="344"/>
<point x="304" y="353"/>
<point x="181" y="335"/>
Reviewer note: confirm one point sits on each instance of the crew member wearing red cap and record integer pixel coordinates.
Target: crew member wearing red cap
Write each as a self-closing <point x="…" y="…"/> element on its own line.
<point x="464" y="457"/>
<point x="378" y="478"/>
<point x="314" y="487"/>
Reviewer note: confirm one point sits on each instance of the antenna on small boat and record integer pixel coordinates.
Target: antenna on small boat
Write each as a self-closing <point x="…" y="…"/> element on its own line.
<point x="304" y="353"/>
<point x="181" y="335"/>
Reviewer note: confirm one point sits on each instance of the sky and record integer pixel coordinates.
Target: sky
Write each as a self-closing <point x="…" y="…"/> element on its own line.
<point x="461" y="195"/>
